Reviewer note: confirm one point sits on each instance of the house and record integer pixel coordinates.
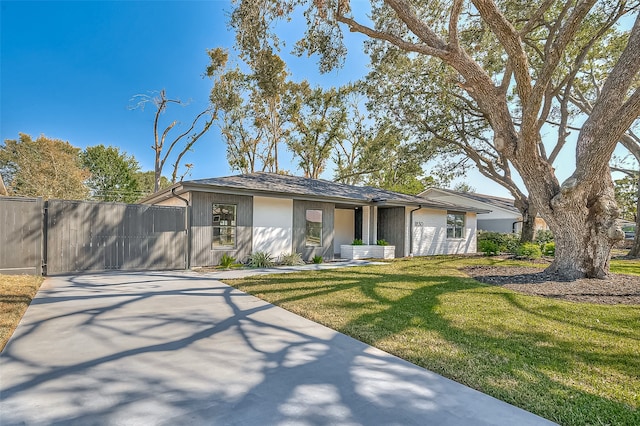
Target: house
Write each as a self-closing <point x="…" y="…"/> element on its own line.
<point x="503" y="216"/>
<point x="278" y="214"/>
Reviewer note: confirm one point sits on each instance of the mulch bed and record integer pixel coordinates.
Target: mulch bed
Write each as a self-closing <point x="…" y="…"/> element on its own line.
<point x="617" y="289"/>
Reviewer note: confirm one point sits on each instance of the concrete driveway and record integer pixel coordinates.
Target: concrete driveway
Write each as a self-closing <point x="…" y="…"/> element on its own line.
<point x="179" y="348"/>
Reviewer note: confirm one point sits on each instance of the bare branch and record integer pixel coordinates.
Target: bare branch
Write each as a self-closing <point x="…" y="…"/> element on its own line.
<point x="396" y="41"/>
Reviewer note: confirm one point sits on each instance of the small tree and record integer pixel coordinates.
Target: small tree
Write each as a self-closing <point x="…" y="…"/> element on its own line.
<point x="147" y="181"/>
<point x="113" y="174"/>
<point x="318" y="118"/>
<point x="48" y="168"/>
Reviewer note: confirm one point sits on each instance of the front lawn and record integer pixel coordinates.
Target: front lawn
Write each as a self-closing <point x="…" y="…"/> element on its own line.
<point x="16" y="292"/>
<point x="573" y="363"/>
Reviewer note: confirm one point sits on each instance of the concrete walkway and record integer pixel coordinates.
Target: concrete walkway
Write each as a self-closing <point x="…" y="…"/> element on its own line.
<point x="180" y="348"/>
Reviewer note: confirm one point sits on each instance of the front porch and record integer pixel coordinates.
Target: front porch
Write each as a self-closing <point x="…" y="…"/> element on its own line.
<point x="369" y="223"/>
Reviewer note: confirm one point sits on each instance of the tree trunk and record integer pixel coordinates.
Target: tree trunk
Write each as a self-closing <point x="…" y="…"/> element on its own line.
<point x="528" y="224"/>
<point x="3" y="189"/>
<point x="585" y="229"/>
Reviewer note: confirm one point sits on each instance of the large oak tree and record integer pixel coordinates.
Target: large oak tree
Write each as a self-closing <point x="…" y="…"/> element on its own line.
<point x="513" y="85"/>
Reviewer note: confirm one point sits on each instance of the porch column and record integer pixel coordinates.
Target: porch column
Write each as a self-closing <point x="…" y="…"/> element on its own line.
<point x="366" y="212"/>
<point x="373" y="225"/>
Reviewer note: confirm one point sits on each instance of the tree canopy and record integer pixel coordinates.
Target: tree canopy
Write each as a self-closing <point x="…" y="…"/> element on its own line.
<point x="112" y="174"/>
<point x="45" y="167"/>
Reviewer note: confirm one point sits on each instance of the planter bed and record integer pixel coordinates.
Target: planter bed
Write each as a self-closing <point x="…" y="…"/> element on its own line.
<point x="348" y="251"/>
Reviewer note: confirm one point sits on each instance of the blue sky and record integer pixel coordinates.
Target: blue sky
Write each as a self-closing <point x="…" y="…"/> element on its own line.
<point x="69" y="71"/>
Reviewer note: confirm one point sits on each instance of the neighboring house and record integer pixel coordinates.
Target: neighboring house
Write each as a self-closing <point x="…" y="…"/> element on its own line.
<point x="503" y="216"/>
<point x="278" y="214"/>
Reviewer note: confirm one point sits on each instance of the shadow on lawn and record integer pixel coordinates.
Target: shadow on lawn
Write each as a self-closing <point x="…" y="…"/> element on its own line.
<point x="535" y="365"/>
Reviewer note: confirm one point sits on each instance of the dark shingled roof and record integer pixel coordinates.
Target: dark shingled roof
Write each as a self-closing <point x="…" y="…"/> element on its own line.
<point x="306" y="188"/>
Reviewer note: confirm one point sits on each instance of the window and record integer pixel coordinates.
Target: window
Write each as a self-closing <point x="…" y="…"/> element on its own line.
<point x="313" y="233"/>
<point x="455" y="225"/>
<point x="224" y="225"/>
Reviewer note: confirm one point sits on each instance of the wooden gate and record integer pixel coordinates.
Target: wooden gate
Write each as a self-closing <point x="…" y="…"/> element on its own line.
<point x="90" y="236"/>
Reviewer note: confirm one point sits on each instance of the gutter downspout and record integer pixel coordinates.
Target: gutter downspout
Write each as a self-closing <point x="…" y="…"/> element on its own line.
<point x="411" y="229"/>
<point x="187" y="215"/>
<point x="513" y="226"/>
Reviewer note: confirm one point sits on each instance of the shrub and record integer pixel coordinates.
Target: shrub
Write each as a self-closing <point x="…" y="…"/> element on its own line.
<point x="502" y="243"/>
<point x="260" y="259"/>
<point x="543" y="237"/>
<point x="549" y="249"/>
<point x="356" y="242"/>
<point x="529" y="251"/>
<point x="291" y="259"/>
<point x="488" y="247"/>
<point x="382" y="242"/>
<point x="227" y="261"/>
<point x="317" y="259"/>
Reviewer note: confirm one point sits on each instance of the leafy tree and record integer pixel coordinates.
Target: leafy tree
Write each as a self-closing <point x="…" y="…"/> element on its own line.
<point x="381" y="157"/>
<point x="112" y="174"/>
<point x="47" y="168"/>
<point x="464" y="187"/>
<point x="146" y="182"/>
<point x="510" y="59"/>
<point x="318" y="117"/>
<point x="375" y="152"/>
<point x="270" y="74"/>
<point x="403" y="86"/>
<point x="249" y="110"/>
<point x="627" y="197"/>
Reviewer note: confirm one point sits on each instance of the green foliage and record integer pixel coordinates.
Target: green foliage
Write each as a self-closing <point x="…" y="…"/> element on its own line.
<point x="626" y="190"/>
<point x="549" y="249"/>
<point x="146" y="182"/>
<point x="47" y="168"/>
<point x="356" y="242"/>
<point x="543" y="237"/>
<point x="249" y="108"/>
<point x="227" y="260"/>
<point x="464" y="187"/>
<point x="382" y="242"/>
<point x="493" y="243"/>
<point x="113" y="174"/>
<point x="529" y="251"/>
<point x="261" y="259"/>
<point x="291" y="259"/>
<point x="381" y="156"/>
<point x="489" y="247"/>
<point x="318" y="118"/>
<point x="317" y="259"/>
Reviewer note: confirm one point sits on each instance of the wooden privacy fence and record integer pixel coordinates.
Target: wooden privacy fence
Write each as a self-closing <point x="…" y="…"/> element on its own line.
<point x="75" y="236"/>
<point x="21" y="235"/>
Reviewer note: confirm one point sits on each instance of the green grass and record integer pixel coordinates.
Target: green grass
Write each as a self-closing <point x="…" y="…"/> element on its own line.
<point x="16" y="293"/>
<point x="573" y="363"/>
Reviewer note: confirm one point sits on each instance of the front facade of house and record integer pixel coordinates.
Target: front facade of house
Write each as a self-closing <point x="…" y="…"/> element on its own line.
<point x="263" y="212"/>
<point x="503" y="217"/>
